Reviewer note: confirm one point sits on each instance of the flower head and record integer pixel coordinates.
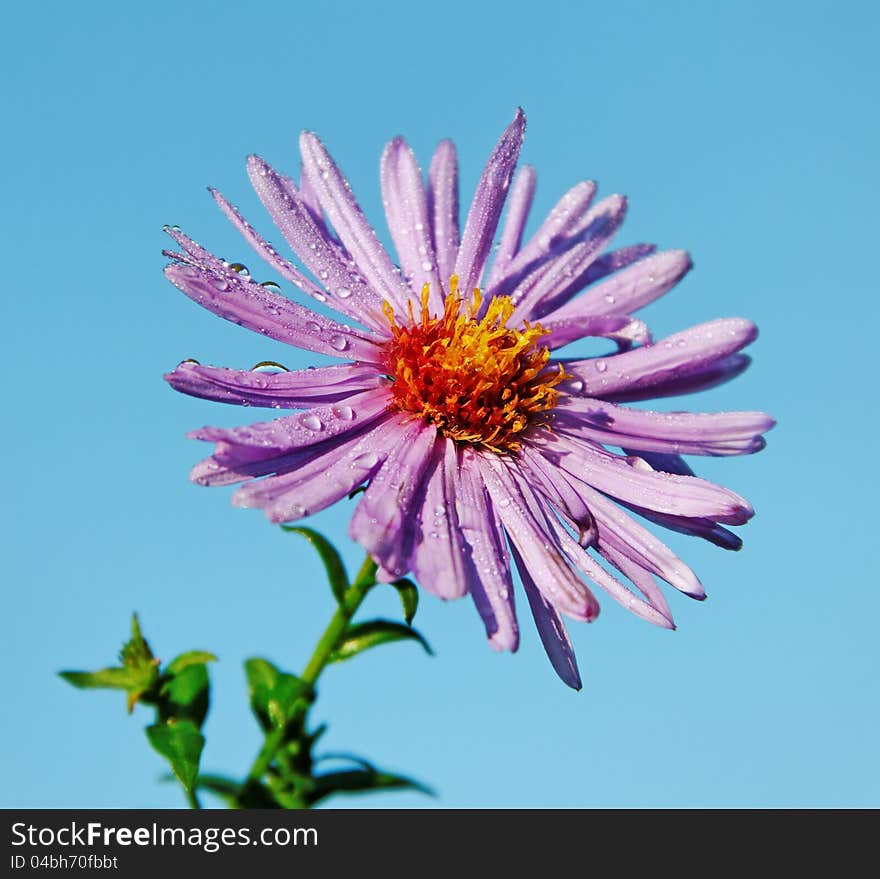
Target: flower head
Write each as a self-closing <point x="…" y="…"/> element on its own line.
<point x="476" y="443"/>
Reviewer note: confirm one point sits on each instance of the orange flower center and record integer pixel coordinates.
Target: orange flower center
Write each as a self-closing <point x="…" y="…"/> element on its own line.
<point x="478" y="381"/>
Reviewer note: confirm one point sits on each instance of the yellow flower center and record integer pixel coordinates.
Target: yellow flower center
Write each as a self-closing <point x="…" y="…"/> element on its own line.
<point x="478" y="381"/>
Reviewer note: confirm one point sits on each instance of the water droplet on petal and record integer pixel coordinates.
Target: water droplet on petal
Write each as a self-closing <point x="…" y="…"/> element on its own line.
<point x="271" y="286"/>
<point x="601" y="365"/>
<point x="240" y="269"/>
<point x="311" y="421"/>
<point x="269" y="367"/>
<point x="343" y="292"/>
<point x="191" y="361"/>
<point x="221" y="284"/>
<point x="609" y="299"/>
<point x="367" y="459"/>
<point x="338" y="342"/>
<point x="312" y="327"/>
<point x="346" y="413"/>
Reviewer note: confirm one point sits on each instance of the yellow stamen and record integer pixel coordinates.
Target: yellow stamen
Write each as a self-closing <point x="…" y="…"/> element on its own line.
<point x="479" y="381"/>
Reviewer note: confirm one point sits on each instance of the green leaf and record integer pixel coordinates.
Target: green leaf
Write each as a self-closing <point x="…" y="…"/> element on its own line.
<point x="273" y="692"/>
<point x="225" y="788"/>
<point x="105" y="678"/>
<point x="363" y="636"/>
<point x="136" y="652"/>
<point x="191" y="657"/>
<point x="333" y="564"/>
<point x="186" y="695"/>
<point x="360" y="781"/>
<point x="137" y="681"/>
<point x="409" y="598"/>
<point x="180" y="743"/>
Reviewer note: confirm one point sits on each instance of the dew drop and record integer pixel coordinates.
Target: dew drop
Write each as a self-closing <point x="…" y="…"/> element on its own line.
<point x="609" y="299"/>
<point x="343" y="292"/>
<point x="271" y="286"/>
<point x="189" y="360"/>
<point x="312" y="327"/>
<point x="320" y="297"/>
<point x="338" y="342"/>
<point x="269" y="367"/>
<point x="221" y="284"/>
<point x="346" y="413"/>
<point x="240" y="269"/>
<point x="577" y="385"/>
<point x="367" y="459"/>
<point x="311" y="422"/>
<point x="601" y="365"/>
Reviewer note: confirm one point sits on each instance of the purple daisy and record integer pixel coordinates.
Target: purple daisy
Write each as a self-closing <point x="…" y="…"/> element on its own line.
<point x="475" y="442"/>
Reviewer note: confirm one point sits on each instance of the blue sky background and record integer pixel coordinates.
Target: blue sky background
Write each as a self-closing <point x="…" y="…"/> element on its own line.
<point x="745" y="132"/>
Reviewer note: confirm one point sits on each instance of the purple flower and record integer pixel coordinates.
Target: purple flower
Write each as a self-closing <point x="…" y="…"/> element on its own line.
<point x="475" y="441"/>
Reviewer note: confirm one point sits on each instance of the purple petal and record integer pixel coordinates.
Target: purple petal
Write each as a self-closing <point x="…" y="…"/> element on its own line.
<point x="350" y="224"/>
<point x="361" y="306"/>
<point x="308" y="428"/>
<point x="550" y="283"/>
<point x="309" y="195"/>
<point x="284" y="390"/>
<point x="557" y="232"/>
<point x="485" y="210"/>
<point x="598" y="575"/>
<point x="406" y="208"/>
<point x="559" y="489"/>
<point x="443" y="207"/>
<point x="693" y="527"/>
<point x="621" y="328"/>
<point x="246" y="303"/>
<point x="614" y="261"/>
<point x="625" y="291"/>
<point x="632" y="480"/>
<point x="520" y="202"/>
<point x="488" y="564"/>
<point x="641" y="578"/>
<point x="531" y="531"/>
<point x="438" y="557"/>
<point x="678" y="433"/>
<point x="311" y="242"/>
<point x="336" y="469"/>
<point x="551" y="629"/>
<point x="625" y="535"/>
<point x="669" y="359"/>
<point x="384" y="522"/>
<point x="700" y="379"/>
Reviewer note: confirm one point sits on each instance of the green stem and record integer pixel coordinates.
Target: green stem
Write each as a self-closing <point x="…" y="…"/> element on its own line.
<point x="351" y="601"/>
<point x="345" y="610"/>
<point x="192" y="799"/>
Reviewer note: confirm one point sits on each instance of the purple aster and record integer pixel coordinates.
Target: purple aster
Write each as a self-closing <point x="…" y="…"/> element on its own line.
<point x="476" y="443"/>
